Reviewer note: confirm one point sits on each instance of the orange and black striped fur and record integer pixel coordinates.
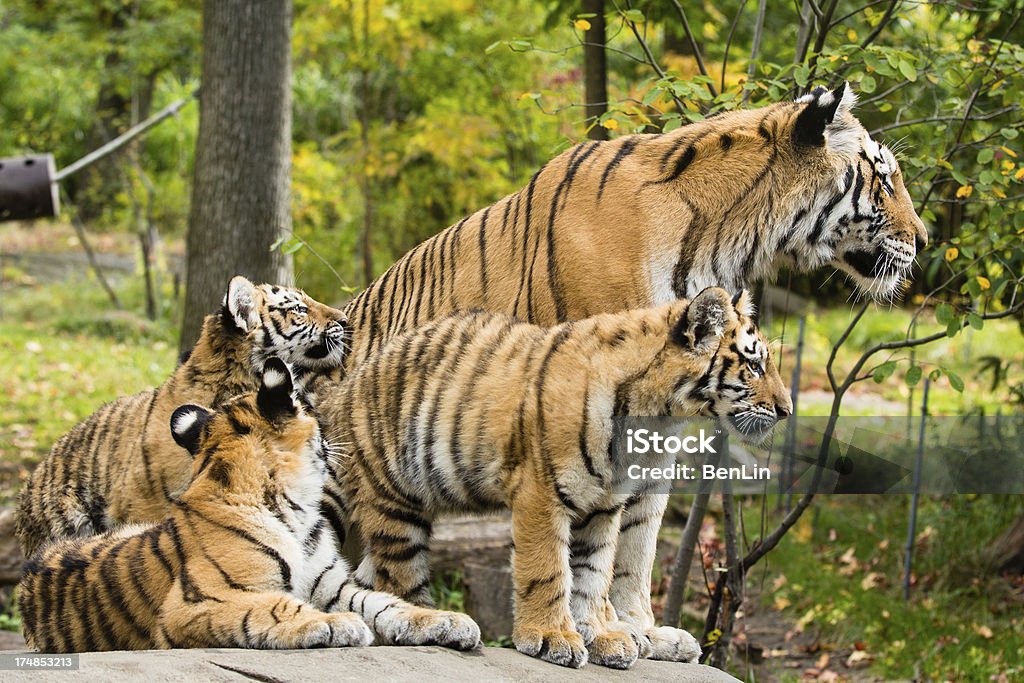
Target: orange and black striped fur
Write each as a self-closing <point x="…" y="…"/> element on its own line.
<point x="243" y="559"/>
<point x="643" y="219"/>
<point x="479" y="411"/>
<point x="121" y="464"/>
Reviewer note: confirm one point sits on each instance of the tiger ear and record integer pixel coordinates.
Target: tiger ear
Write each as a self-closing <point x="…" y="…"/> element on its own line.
<point x="743" y="302"/>
<point x="821" y="108"/>
<point x="703" y="321"/>
<point x="239" y="306"/>
<point x="187" y="423"/>
<point x="274" y="398"/>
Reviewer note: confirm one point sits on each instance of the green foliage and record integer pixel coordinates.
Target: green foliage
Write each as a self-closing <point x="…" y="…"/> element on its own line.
<point x="64" y="354"/>
<point x="77" y="74"/>
<point x="841" y="579"/>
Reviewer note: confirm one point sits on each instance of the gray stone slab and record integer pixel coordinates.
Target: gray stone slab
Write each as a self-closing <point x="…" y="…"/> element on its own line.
<point x="401" y="664"/>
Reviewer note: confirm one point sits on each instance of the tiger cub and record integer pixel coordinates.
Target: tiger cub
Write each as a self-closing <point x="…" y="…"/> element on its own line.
<point x="243" y="559"/>
<point x="121" y="465"/>
<point x="479" y="411"/>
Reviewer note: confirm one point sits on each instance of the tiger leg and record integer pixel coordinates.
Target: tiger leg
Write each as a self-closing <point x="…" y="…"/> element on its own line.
<point x="631" y="586"/>
<point x="397" y="622"/>
<point x="393" y="620"/>
<point x="610" y="642"/>
<point x="268" y="621"/>
<point x="396" y="539"/>
<point x="543" y="626"/>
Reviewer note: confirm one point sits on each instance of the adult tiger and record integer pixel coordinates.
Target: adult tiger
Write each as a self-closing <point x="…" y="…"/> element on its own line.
<point x="120" y="464"/>
<point x="641" y="220"/>
<point x="478" y="411"/>
<point x="644" y="219"/>
<point x="243" y="557"/>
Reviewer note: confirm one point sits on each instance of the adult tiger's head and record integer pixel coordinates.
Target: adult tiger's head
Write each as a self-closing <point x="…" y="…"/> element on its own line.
<point x="284" y="322"/>
<point x="866" y="224"/>
<point x="262" y="445"/>
<point x="799" y="184"/>
<point x="738" y="380"/>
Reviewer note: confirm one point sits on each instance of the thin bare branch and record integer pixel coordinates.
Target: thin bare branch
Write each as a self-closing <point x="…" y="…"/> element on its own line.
<point x="653" y="62"/>
<point x="936" y="119"/>
<point x="693" y="46"/>
<point x="755" y="48"/>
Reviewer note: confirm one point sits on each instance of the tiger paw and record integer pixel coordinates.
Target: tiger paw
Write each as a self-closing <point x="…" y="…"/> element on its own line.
<point x="565" y="648"/>
<point x="615" y="649"/>
<point x="328" y="630"/>
<point x="437" y="627"/>
<point x="673" y="645"/>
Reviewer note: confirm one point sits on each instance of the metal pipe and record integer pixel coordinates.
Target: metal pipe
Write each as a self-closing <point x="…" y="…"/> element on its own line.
<point x="123" y="139"/>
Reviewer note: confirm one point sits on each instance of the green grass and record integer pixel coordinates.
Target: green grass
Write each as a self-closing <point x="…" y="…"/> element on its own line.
<point x="64" y="354"/>
<point x="961" y="355"/>
<point x="843" y="567"/>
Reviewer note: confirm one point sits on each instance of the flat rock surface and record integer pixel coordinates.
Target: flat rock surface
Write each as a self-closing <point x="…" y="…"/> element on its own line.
<point x="412" y="664"/>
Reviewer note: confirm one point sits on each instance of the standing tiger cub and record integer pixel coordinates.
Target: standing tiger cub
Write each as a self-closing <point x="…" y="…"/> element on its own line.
<point x="121" y="465"/>
<point x="479" y="411"/>
<point x="243" y="559"/>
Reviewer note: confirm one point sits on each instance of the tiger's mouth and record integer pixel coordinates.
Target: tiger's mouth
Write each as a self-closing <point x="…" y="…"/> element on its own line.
<point x="329" y="352"/>
<point x="878" y="271"/>
<point x="753" y="426"/>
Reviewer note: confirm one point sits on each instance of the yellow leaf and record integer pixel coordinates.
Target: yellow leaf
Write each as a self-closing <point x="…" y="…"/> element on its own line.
<point x="1007" y="165"/>
<point x="973" y="46"/>
<point x="952" y="253"/>
<point x="611" y="124"/>
<point x="581" y="25"/>
<point x="713" y="636"/>
<point x="1019" y="175"/>
<point x="1009" y="152"/>
<point x="983" y="282"/>
<point x="999" y="193"/>
<point x="964" y="191"/>
<point x="781" y="603"/>
<point x="851" y="35"/>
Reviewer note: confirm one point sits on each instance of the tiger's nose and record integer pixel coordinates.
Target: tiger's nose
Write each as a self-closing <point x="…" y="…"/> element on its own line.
<point x="783" y="409"/>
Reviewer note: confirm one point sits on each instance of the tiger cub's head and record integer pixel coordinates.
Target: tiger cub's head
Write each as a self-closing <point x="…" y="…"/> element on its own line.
<point x="283" y="322"/>
<point x="263" y="446"/>
<point x="716" y="334"/>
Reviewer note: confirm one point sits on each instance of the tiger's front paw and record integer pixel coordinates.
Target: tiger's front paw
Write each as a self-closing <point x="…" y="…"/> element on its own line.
<point x="615" y="649"/>
<point x="437" y="627"/>
<point x="672" y="645"/>
<point x="565" y="648"/>
<point x="343" y="629"/>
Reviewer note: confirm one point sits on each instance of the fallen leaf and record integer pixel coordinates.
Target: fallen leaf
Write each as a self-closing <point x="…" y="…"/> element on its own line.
<point x="858" y="659"/>
<point x="983" y="631"/>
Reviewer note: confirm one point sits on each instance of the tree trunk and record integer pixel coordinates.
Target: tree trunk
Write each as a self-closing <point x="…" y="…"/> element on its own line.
<point x="240" y="194"/>
<point x="595" y="70"/>
<point x="1006" y="554"/>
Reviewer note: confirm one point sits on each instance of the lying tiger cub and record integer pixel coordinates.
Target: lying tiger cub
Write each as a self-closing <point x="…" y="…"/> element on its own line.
<point x="479" y="411"/>
<point x="244" y="558"/>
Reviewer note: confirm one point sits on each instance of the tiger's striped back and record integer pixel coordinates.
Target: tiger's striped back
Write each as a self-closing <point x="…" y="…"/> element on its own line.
<point x="644" y="219"/>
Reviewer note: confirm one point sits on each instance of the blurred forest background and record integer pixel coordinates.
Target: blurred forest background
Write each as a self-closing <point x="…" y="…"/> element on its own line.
<point x="407" y="116"/>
